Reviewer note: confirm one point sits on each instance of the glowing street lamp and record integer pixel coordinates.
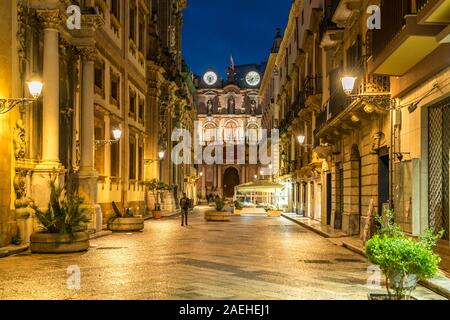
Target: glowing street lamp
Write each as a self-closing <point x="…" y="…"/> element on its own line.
<point x="35" y="89"/>
<point x="117" y="134"/>
<point x="301" y="139"/>
<point x="348" y="84"/>
<point x="161" y="154"/>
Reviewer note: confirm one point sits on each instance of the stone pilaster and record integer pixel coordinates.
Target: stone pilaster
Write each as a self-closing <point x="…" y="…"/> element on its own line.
<point x="87" y="176"/>
<point x="350" y="216"/>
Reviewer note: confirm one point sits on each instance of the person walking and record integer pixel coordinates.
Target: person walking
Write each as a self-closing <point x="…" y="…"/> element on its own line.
<point x="184" y="204"/>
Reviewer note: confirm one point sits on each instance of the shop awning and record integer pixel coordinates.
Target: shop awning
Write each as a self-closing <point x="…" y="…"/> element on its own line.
<point x="263" y="186"/>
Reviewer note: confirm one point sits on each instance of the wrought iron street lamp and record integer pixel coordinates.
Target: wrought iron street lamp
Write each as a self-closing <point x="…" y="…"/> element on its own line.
<point x="117" y="135"/>
<point x="348" y="84"/>
<point x="161" y="155"/>
<point x="301" y="139"/>
<point x="35" y="89"/>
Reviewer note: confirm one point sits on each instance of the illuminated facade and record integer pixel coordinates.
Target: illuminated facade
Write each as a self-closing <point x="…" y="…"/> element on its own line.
<point x="229" y="114"/>
<point x="121" y="72"/>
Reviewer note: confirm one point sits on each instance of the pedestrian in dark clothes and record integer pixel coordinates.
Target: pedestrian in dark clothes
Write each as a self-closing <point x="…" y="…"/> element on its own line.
<point x="184" y="204"/>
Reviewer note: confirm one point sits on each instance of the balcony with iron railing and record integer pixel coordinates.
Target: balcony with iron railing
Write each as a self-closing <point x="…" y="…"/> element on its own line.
<point x="312" y="85"/>
<point x="375" y="88"/>
<point x="327" y="28"/>
<point x="327" y="23"/>
<point x="400" y="31"/>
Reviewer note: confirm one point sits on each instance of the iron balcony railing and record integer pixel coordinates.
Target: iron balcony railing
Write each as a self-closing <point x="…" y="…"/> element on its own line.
<point x="327" y="23"/>
<point x="392" y="21"/>
<point x="312" y="85"/>
<point x="369" y="84"/>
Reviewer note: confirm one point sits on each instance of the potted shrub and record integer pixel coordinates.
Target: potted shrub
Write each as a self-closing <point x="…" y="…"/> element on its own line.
<point x="403" y="260"/>
<point x="63" y="223"/>
<point x="125" y="222"/>
<point x="219" y="214"/>
<point x="157" y="188"/>
<point x="238" y="206"/>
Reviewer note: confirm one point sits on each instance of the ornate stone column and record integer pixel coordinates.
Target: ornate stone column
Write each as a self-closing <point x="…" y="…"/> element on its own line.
<point x="87" y="176"/>
<point x="40" y="186"/>
<point x="50" y="112"/>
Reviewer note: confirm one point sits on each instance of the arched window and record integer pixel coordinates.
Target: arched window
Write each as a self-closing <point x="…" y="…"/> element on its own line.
<point x="252" y="134"/>
<point x="231" y="132"/>
<point x="209" y="132"/>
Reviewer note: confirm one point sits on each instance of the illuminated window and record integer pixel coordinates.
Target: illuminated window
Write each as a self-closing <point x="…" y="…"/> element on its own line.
<point x="231" y="132"/>
<point x="252" y="134"/>
<point x="209" y="133"/>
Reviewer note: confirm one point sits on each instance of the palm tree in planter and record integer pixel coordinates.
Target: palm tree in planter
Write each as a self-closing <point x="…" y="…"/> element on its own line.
<point x="219" y="214"/>
<point x="125" y="222"/>
<point x="403" y="260"/>
<point x="157" y="188"/>
<point x="63" y="223"/>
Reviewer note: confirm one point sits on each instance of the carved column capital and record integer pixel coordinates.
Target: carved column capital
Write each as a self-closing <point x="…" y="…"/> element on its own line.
<point x="88" y="53"/>
<point x="50" y="19"/>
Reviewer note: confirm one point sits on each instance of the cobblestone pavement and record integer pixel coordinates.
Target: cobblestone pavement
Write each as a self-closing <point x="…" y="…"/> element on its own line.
<point x="247" y="258"/>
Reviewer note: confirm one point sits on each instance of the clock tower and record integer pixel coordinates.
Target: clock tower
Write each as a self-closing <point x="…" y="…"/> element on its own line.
<point x="229" y="114"/>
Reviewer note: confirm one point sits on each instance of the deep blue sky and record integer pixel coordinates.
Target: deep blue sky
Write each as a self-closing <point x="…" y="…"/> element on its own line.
<point x="215" y="28"/>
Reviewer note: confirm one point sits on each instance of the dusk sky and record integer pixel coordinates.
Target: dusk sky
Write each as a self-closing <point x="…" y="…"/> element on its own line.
<point x="213" y="29"/>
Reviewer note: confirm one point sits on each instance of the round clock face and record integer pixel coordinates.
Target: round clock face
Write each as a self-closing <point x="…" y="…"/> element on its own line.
<point x="253" y="78"/>
<point x="210" y="78"/>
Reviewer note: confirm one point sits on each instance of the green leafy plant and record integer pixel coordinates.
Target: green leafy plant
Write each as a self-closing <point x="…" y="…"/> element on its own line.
<point x="238" y="205"/>
<point x="219" y="204"/>
<point x="402" y="259"/>
<point x="64" y="215"/>
<point x="157" y="188"/>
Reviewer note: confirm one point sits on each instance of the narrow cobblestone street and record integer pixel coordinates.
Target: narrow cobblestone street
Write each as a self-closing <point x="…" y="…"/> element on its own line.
<point x="247" y="258"/>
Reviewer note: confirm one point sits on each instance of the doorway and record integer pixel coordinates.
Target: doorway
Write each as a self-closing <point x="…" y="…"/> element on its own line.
<point x="230" y="180"/>
<point x="383" y="180"/>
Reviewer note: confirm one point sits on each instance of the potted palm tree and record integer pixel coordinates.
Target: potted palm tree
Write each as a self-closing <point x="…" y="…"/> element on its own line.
<point x="403" y="260"/>
<point x="157" y="188"/>
<point x="238" y="207"/>
<point x="219" y="214"/>
<point x="63" y="224"/>
<point x="125" y="222"/>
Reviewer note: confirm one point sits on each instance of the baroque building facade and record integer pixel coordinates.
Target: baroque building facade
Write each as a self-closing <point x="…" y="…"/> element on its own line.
<point x="229" y="124"/>
<point x="363" y="117"/>
<point x="120" y="71"/>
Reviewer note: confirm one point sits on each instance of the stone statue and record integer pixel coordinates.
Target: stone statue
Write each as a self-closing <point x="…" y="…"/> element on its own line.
<point x="231" y="105"/>
<point x="209" y="107"/>
<point x="253" y="108"/>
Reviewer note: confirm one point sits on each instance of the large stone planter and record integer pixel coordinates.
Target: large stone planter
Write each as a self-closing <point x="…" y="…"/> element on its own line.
<point x="217" y="216"/>
<point x="126" y="224"/>
<point x="59" y="243"/>
<point x="237" y="212"/>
